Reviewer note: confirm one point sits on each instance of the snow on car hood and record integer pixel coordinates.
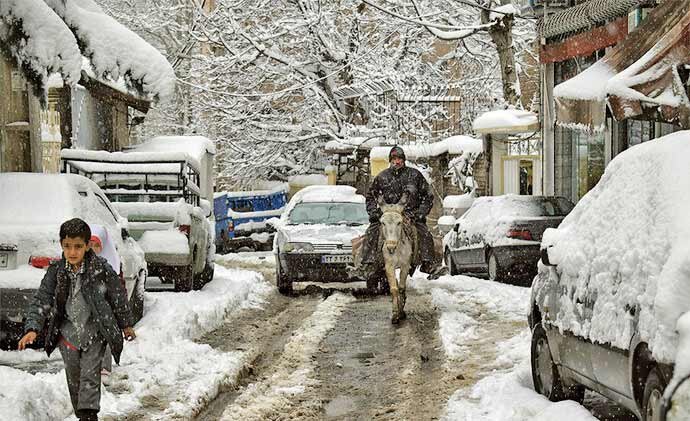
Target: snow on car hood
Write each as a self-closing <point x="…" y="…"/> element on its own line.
<point x="321" y="233"/>
<point x="627" y="244"/>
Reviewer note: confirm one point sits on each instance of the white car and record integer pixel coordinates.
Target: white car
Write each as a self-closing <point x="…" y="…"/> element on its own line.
<point x="33" y="208"/>
<point x="613" y="286"/>
<point x="313" y="241"/>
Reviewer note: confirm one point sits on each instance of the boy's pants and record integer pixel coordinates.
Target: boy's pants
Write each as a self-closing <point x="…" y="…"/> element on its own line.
<point x="83" y="369"/>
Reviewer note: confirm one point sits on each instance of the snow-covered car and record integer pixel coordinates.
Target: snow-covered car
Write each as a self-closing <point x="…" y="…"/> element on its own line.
<point x="500" y="236"/>
<point x="313" y="240"/>
<point x="164" y="187"/>
<point x="614" y="281"/>
<point x="33" y="208"/>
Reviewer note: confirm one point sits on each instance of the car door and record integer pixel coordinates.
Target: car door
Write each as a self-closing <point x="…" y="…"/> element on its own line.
<point x="571" y="351"/>
<point x="468" y="241"/>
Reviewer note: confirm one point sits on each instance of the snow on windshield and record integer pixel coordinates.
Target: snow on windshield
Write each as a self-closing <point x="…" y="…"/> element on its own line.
<point x="328" y="213"/>
<point x="627" y="245"/>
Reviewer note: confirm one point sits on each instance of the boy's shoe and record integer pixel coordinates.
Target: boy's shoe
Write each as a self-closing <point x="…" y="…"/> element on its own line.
<point x="87" y="414"/>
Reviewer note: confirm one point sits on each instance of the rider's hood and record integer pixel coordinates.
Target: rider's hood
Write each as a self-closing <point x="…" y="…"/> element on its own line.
<point x="321" y="233"/>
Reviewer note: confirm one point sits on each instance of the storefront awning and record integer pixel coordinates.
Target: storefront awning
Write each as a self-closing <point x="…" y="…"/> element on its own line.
<point x="638" y="76"/>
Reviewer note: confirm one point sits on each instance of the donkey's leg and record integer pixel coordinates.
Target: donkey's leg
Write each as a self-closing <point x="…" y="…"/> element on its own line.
<point x="393" y="284"/>
<point x="402" y="285"/>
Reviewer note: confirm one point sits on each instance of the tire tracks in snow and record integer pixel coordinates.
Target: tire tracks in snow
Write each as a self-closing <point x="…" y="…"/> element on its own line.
<point x="290" y="375"/>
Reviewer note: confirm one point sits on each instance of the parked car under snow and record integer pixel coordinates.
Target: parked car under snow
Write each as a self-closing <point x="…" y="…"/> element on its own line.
<point x="33" y="208"/>
<point x="314" y="236"/>
<point x="615" y="281"/>
<point x="164" y="186"/>
<point x="500" y="235"/>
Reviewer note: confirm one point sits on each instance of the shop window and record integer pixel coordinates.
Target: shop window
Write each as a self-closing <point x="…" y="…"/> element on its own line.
<point x="588" y="161"/>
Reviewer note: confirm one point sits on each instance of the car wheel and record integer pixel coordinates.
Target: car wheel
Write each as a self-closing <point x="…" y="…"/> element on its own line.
<point x="283" y="282"/>
<point x="653" y="393"/>
<point x="204" y="277"/>
<point x="184" y="278"/>
<point x="136" y="302"/>
<point x="448" y="259"/>
<point x="545" y="376"/>
<point x="496" y="272"/>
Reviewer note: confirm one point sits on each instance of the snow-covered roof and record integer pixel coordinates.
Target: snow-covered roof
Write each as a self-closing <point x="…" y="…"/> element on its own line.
<point x="55" y="34"/>
<point x="39" y="40"/>
<point x="194" y="146"/>
<point x="454" y="145"/>
<point x="627" y="241"/>
<point x="506" y="121"/>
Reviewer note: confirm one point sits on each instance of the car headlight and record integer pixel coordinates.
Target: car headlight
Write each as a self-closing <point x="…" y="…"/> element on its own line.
<point x="298" y="247"/>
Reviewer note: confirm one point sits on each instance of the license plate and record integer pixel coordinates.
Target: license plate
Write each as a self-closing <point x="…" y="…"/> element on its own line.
<point x="337" y="258"/>
<point x="4" y="259"/>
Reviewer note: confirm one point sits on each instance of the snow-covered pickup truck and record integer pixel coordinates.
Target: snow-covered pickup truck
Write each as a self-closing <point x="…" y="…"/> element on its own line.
<point x="165" y="188"/>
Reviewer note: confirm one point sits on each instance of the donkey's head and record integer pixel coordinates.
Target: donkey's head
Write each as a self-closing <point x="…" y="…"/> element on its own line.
<point x="392" y="221"/>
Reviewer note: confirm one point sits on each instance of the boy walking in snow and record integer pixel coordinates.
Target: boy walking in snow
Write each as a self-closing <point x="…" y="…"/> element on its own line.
<point x="80" y="308"/>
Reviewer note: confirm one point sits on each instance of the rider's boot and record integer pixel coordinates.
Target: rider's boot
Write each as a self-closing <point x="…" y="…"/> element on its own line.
<point x="434" y="269"/>
<point x="361" y="272"/>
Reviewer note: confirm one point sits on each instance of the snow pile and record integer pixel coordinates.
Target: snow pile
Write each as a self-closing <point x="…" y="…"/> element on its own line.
<point x="504" y="119"/>
<point x="40" y="40"/>
<point x="116" y="51"/>
<point x="162" y="358"/>
<point x="505" y="390"/>
<point x="627" y="243"/>
<point x="164" y="242"/>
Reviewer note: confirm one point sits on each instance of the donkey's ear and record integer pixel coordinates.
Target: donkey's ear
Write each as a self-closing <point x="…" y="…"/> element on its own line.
<point x="380" y="201"/>
<point x="403" y="199"/>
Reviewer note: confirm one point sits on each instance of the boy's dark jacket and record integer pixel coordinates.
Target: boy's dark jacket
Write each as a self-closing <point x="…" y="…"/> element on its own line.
<point x="103" y="293"/>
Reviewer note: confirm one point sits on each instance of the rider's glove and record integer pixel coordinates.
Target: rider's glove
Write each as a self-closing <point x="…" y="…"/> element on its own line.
<point x="375" y="215"/>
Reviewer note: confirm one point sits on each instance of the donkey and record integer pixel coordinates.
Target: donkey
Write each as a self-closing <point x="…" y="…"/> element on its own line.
<point x="398" y="240"/>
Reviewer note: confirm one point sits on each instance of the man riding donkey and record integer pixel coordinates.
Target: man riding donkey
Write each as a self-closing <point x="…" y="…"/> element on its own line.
<point x="390" y="186"/>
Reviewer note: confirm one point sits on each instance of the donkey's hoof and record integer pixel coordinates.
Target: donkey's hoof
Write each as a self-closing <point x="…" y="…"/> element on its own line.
<point x="395" y="319"/>
<point x="403" y="315"/>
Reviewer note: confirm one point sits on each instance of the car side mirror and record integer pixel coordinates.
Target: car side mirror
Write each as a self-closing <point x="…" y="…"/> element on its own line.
<point x="545" y="257"/>
<point x="124" y="233"/>
<point x="456" y="227"/>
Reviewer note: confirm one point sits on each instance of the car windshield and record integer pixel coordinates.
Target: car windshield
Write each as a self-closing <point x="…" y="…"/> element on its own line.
<point x="329" y="213"/>
<point x="536" y="206"/>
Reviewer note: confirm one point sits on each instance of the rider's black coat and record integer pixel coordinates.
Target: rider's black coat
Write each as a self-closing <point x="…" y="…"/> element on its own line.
<point x="391" y="183"/>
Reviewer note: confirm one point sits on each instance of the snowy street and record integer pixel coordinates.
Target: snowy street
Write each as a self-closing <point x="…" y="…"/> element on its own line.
<point x="239" y="350"/>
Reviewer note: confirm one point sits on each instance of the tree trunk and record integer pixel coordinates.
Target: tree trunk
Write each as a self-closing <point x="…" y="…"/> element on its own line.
<point x="502" y="36"/>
